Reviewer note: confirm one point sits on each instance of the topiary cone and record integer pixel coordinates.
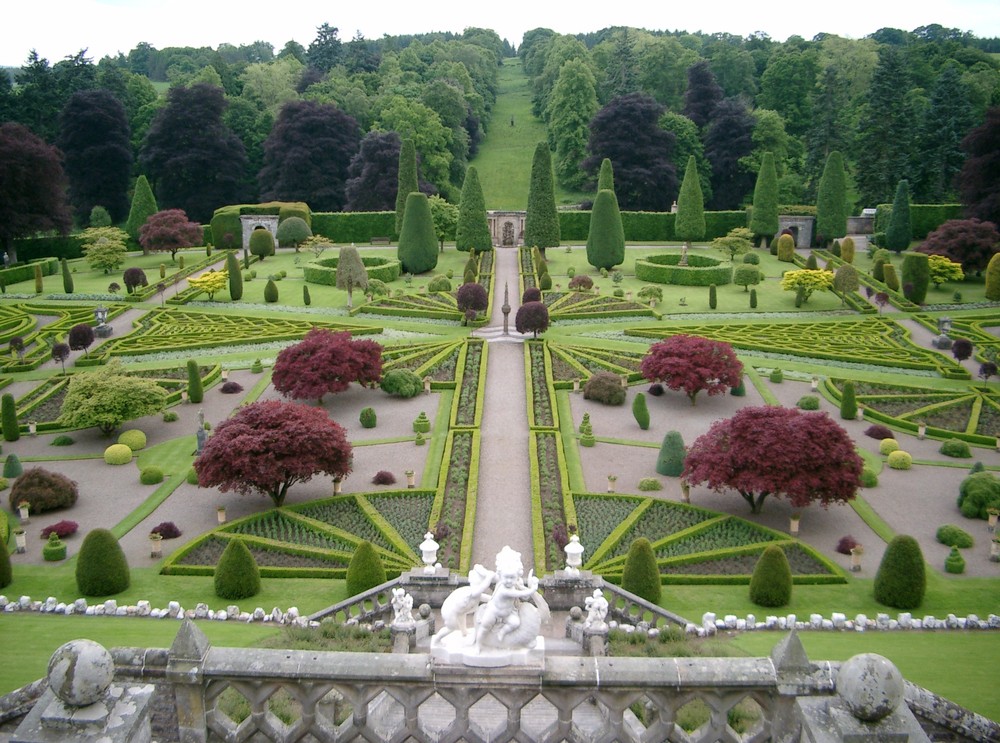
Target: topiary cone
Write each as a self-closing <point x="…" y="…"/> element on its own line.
<point x="771" y="582"/>
<point x="640" y="575"/>
<point x="101" y="567"/>
<point x="365" y="570"/>
<point x="236" y="574"/>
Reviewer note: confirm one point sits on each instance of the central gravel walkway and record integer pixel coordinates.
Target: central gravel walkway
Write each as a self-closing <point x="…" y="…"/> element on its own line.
<point x="503" y="504"/>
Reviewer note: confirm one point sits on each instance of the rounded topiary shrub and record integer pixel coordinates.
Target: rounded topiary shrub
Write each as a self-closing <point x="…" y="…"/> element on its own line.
<point x="954" y="536"/>
<point x="12" y="466"/>
<point x="236" y="574"/>
<point x="845" y="544"/>
<point x="954" y="562"/>
<point x="151" y="476"/>
<point x="61" y="529"/>
<point x="270" y="292"/>
<point x="134" y="439"/>
<point x="808" y="402"/>
<point x="365" y="570"/>
<point x="899" y="460"/>
<point x="166" y="529"/>
<point x="43" y="490"/>
<point x="900" y="581"/>
<point x="231" y="388"/>
<point x="777" y="376"/>
<point x="192" y="477"/>
<point x="640" y="574"/>
<point x="384" y="477"/>
<point x="670" y="461"/>
<point x="955" y="448"/>
<point x="978" y="492"/>
<point x="878" y="431"/>
<point x="869" y="479"/>
<point x="118" y="454"/>
<point x="101" y="567"/>
<point x="647" y="484"/>
<point x="771" y="582"/>
<point x="604" y="387"/>
<point x="751" y="258"/>
<point x="531" y="294"/>
<point x="368" y="418"/>
<point x="54" y="549"/>
<point x="439" y="284"/>
<point x="401" y="383"/>
<point x="888" y="446"/>
<point x="581" y="282"/>
<point x="62" y="440"/>
<point x="170" y="417"/>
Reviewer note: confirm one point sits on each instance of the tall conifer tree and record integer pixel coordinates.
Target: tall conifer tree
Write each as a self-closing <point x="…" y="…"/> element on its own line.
<point x="406" y="180"/>
<point x="606" y="239"/>
<point x="417" y="249"/>
<point x="143" y="207"/>
<point x="541" y="226"/>
<point x="900" y="231"/>
<point x="831" y="200"/>
<point x="473" y="230"/>
<point x="764" y="222"/>
<point x="689" y="223"/>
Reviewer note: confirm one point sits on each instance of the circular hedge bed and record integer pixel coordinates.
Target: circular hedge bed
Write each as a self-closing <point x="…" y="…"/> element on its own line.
<point x="324" y="271"/>
<point x="700" y="270"/>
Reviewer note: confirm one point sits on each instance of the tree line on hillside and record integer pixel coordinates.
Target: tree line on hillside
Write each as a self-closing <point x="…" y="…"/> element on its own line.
<point x="325" y="123"/>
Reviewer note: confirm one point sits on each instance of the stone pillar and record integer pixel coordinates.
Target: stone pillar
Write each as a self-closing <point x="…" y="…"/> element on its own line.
<point x="83" y="704"/>
<point x="185" y="671"/>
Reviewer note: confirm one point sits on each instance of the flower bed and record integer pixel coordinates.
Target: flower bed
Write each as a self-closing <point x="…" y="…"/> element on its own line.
<point x="540" y="411"/>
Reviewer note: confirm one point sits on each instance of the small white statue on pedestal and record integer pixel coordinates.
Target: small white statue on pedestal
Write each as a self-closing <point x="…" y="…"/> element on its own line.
<point x="597" y="611"/>
<point x="402" y="608"/>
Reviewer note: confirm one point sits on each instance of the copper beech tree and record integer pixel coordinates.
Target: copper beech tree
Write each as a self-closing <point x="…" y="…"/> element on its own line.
<point x="762" y="451"/>
<point x="692" y="364"/>
<point x="326" y="361"/>
<point x="269" y="446"/>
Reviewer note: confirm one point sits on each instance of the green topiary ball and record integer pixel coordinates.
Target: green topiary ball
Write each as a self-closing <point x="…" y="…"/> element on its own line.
<point x="888" y="446"/>
<point x="368" y="418"/>
<point x="640" y="575"/>
<point x="118" y="454"/>
<point x="899" y="460"/>
<point x="12" y="466"/>
<point x="979" y="492"/>
<point x="869" y="479"/>
<point x="606" y="388"/>
<point x="192" y="477"/>
<point x="365" y="570"/>
<point x="134" y="439"/>
<point x="439" y="284"/>
<point x="401" y="383"/>
<point x="954" y="536"/>
<point x="151" y="476"/>
<point x="670" y="461"/>
<point x="777" y="376"/>
<point x="170" y="417"/>
<point x="650" y="483"/>
<point x="955" y="448"/>
<point x="900" y="581"/>
<point x="771" y="582"/>
<point x="954" y="562"/>
<point x="808" y="402"/>
<point x="270" y="292"/>
<point x="101" y="567"/>
<point x="236" y="574"/>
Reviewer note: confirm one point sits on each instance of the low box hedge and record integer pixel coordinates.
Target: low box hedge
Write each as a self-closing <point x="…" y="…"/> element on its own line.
<point x="700" y="271"/>
<point x="324" y="270"/>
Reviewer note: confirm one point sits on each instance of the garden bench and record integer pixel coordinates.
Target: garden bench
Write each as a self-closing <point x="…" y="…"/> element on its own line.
<point x="380" y="241"/>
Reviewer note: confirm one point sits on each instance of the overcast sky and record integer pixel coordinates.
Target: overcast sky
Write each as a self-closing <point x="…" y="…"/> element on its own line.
<point x="60" y="28"/>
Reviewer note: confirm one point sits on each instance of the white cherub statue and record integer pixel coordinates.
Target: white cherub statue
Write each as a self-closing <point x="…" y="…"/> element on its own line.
<point x="597" y="611"/>
<point x="501" y="619"/>
<point x="464" y="601"/>
<point x="402" y="607"/>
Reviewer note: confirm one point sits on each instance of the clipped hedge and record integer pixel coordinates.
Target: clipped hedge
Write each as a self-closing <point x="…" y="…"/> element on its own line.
<point x="648" y="226"/>
<point x="324" y="270"/>
<point x="26" y="272"/>
<point x="354" y="227"/>
<point x="700" y="271"/>
<point x="924" y="218"/>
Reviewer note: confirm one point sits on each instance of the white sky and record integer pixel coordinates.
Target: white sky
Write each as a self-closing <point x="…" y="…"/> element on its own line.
<point x="60" y="28"/>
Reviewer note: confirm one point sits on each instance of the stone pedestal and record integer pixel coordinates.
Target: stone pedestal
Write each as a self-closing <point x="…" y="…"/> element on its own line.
<point x="122" y="717"/>
<point x="564" y="590"/>
<point x="455" y="649"/>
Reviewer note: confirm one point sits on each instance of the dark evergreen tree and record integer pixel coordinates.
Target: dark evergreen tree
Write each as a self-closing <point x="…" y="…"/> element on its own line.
<point x="473" y="230"/>
<point x="900" y="230"/>
<point x="417" y="249"/>
<point x="703" y="94"/>
<point x="627" y="132"/>
<point x="830" y="129"/>
<point x="886" y="131"/>
<point x="946" y="121"/>
<point x="235" y="276"/>
<point x="831" y="201"/>
<point x="42" y="91"/>
<point x="689" y="224"/>
<point x="372" y="176"/>
<point x="326" y="50"/>
<point x="916" y="277"/>
<point x="143" y="207"/>
<point x="307" y="154"/>
<point x="764" y="221"/>
<point x="193" y="158"/>
<point x="32" y="187"/>
<point x="623" y="70"/>
<point x="572" y="105"/>
<point x="541" y="225"/>
<point x="729" y="139"/>
<point x="979" y="181"/>
<point x="406" y="179"/>
<point x="67" y="277"/>
<point x="606" y="238"/>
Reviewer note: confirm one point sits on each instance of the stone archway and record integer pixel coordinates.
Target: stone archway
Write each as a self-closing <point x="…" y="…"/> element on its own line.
<point x="506" y="228"/>
<point x="251" y="222"/>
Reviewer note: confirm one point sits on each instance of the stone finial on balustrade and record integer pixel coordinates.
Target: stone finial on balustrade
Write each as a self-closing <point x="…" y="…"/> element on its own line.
<point x="574" y="556"/>
<point x="428" y="553"/>
<point x="83" y="702"/>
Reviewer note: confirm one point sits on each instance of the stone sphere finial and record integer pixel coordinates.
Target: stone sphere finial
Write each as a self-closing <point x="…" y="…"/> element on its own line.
<point x="871" y="686"/>
<point x="80" y="672"/>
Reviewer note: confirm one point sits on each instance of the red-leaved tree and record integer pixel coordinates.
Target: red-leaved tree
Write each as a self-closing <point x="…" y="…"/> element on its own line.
<point x="269" y="446"/>
<point x="692" y="364"/>
<point x="170" y="230"/>
<point x="970" y="242"/>
<point x="326" y="361"/>
<point x="770" y="450"/>
<point x="532" y="317"/>
<point x="471" y="297"/>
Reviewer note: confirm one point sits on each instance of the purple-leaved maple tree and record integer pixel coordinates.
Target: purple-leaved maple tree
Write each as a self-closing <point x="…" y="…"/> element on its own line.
<point x="692" y="364"/>
<point x="326" y="361"/>
<point x="805" y="457"/>
<point x="269" y="446"/>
